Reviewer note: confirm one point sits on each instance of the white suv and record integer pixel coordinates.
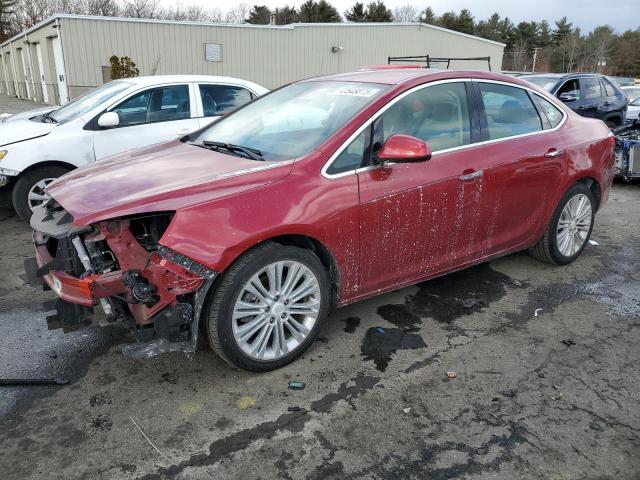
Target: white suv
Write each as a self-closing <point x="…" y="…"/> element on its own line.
<point x="118" y="116"/>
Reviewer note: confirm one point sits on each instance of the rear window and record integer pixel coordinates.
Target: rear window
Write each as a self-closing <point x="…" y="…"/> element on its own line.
<point x="509" y="110"/>
<point x="553" y="113"/>
<point x="545" y="83"/>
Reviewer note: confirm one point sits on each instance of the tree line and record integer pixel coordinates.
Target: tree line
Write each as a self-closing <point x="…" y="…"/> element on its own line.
<point x="546" y="47"/>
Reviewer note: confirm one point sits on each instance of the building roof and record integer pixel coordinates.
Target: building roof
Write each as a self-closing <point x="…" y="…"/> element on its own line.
<point x="247" y="25"/>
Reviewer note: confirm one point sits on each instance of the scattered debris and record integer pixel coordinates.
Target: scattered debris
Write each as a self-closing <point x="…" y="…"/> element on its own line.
<point x="296" y="385"/>
<point x="406" y="410"/>
<point x="294" y="409"/>
<point x="593" y="242"/>
<point x="518" y="283"/>
<point x="452" y="374"/>
<point x="596" y="426"/>
<point x="508" y="393"/>
<point x="380" y="329"/>
<point x="491" y="413"/>
<point x="568" y="342"/>
<point x="5" y="382"/>
<point x="540" y="375"/>
<point x="150" y="442"/>
<point x="535" y="314"/>
<point x="560" y="395"/>
<point x="471" y="303"/>
<point x="245" y="402"/>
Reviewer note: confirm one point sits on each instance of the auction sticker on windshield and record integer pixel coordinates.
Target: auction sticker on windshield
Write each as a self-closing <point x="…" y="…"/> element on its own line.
<point x="358" y="91"/>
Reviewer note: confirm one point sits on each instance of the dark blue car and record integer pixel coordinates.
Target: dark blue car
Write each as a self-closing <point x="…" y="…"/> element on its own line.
<point x="587" y="94"/>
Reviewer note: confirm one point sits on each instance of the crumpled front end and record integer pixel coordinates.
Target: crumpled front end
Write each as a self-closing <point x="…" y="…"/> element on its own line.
<point x="120" y="267"/>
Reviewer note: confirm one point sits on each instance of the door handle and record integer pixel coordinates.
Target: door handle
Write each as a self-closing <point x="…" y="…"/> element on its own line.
<point x="470" y="175"/>
<point x="554" y="153"/>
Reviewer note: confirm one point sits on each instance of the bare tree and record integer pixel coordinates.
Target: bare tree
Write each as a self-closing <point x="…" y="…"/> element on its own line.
<point x="237" y="14"/>
<point x="141" y="8"/>
<point x="405" y="13"/>
<point x="101" y="8"/>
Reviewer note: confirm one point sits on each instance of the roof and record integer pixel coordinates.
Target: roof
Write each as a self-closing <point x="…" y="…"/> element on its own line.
<point x="561" y="75"/>
<point x="402" y="75"/>
<point x="248" y="25"/>
<point x="158" y="79"/>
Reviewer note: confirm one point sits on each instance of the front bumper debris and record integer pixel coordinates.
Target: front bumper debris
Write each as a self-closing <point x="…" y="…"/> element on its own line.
<point x="114" y="264"/>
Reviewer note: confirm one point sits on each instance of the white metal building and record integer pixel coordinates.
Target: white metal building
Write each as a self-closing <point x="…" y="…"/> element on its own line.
<point x="66" y="55"/>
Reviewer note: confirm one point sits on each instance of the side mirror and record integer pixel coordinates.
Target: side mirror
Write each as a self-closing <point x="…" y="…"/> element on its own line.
<point x="109" y="120"/>
<point x="568" y="97"/>
<point x="404" y="149"/>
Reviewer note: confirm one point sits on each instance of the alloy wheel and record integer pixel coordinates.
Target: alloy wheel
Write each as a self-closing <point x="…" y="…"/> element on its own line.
<point x="276" y="310"/>
<point x="37" y="196"/>
<point x="574" y="225"/>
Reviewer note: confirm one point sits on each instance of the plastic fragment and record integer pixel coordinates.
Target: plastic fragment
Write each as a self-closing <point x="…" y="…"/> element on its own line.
<point x="538" y="310"/>
<point x="452" y="374"/>
<point x="406" y="410"/>
<point x="296" y="385"/>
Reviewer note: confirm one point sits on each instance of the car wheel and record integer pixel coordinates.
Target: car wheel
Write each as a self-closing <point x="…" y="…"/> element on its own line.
<point x="28" y="192"/>
<point x="268" y="307"/>
<point x="612" y="123"/>
<point x="569" y="229"/>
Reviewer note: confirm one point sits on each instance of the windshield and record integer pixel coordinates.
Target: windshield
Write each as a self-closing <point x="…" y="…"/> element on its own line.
<point x="545" y="83"/>
<point x="291" y="122"/>
<point x="88" y="101"/>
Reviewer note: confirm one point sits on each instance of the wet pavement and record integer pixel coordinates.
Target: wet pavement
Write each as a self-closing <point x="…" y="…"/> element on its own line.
<point x="546" y="384"/>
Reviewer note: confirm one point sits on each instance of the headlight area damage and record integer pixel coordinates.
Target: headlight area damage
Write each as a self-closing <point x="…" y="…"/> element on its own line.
<point x="120" y="266"/>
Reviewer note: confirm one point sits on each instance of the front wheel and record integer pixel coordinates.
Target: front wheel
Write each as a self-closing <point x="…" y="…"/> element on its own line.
<point x="28" y="192"/>
<point x="569" y="229"/>
<point x="268" y="307"/>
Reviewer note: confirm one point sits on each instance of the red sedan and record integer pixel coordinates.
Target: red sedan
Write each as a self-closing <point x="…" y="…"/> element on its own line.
<point x="320" y="194"/>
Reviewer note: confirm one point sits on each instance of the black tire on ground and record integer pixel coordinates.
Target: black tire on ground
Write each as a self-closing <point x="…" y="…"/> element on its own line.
<point x="546" y="250"/>
<point x="218" y="310"/>
<point x="612" y="123"/>
<point x="24" y="184"/>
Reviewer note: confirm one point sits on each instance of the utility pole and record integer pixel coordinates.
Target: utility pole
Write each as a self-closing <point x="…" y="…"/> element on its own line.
<point x="535" y="55"/>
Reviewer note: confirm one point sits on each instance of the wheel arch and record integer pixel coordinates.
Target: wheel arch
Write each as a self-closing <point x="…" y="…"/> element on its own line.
<point x="48" y="163"/>
<point x="594" y="186"/>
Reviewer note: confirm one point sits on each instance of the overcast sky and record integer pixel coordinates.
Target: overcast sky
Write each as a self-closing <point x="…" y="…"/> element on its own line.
<point x="620" y="14"/>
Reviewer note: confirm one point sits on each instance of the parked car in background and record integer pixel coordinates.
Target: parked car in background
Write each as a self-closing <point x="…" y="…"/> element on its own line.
<point x="633" y="111"/>
<point x="589" y="95"/>
<point x="120" y="115"/>
<point x="258" y="225"/>
<point x="631" y="92"/>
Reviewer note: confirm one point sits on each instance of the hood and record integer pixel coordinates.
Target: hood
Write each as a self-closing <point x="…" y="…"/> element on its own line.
<point x="21" y="130"/>
<point x="30" y="113"/>
<point x="167" y="176"/>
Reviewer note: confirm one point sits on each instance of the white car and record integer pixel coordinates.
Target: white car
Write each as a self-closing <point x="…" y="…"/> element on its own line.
<point x="632" y="92"/>
<point x="633" y="111"/>
<point x="118" y="116"/>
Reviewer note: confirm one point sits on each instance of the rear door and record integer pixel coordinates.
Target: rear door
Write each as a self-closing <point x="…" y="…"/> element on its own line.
<point x="528" y="155"/>
<point x="593" y="98"/>
<point x="147" y="117"/>
<point x="418" y="219"/>
<point x="214" y="100"/>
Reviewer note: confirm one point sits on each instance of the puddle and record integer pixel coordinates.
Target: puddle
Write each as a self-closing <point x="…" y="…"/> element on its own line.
<point x="352" y="323"/>
<point x="400" y="316"/>
<point x="381" y="343"/>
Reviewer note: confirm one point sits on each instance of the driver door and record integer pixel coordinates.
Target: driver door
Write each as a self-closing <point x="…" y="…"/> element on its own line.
<point x="147" y="117"/>
<point x="418" y="219"/>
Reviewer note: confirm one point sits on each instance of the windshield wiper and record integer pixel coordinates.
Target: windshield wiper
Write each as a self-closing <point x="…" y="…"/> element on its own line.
<point x="48" y="118"/>
<point x="251" y="153"/>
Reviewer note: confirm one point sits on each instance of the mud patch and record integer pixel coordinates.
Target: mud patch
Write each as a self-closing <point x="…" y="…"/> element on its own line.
<point x="351" y="324"/>
<point x="380" y="344"/>
<point x="461" y="293"/>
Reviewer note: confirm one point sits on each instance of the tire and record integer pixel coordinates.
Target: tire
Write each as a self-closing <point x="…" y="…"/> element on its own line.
<point x="223" y="330"/>
<point x="29" y="180"/>
<point x="552" y="247"/>
<point x="613" y="122"/>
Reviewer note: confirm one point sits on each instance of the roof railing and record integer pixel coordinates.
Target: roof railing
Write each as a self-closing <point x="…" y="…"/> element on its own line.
<point x="429" y="60"/>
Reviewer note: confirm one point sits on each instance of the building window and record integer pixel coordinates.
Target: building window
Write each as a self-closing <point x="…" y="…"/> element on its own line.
<point x="213" y="52"/>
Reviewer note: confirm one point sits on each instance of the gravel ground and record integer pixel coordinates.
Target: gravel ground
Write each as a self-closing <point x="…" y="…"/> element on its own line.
<point x="546" y="385"/>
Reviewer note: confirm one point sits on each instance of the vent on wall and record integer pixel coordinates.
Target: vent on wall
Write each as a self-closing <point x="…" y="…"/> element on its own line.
<point x="213" y="52"/>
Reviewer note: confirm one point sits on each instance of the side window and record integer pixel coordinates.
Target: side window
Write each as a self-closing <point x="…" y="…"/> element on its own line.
<point x="219" y="99"/>
<point x="608" y="88"/>
<point x="351" y="157"/>
<point x="161" y="104"/>
<point x="553" y="113"/>
<point x="439" y="115"/>
<point x="570" y="86"/>
<point x="592" y="89"/>
<point x="509" y="110"/>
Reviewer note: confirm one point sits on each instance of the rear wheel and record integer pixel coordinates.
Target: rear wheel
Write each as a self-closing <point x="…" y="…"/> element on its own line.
<point x="268" y="307"/>
<point x="569" y="229"/>
<point x="28" y="192"/>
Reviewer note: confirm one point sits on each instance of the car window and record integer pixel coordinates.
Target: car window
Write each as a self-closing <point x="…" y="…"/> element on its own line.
<point x="592" y="89"/>
<point x="509" y="111"/>
<point x="570" y="86"/>
<point x="608" y="88"/>
<point x="553" y="113"/>
<point x="439" y="115"/>
<point x="219" y="99"/>
<point x="160" y="104"/>
<point x="353" y="156"/>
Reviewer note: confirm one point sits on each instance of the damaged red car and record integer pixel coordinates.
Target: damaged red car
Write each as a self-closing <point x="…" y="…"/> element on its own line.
<point x="319" y="194"/>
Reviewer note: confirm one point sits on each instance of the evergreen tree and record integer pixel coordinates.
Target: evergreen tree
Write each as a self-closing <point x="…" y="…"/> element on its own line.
<point x="378" y="12"/>
<point x="428" y="16"/>
<point x="318" y="12"/>
<point x="465" y="22"/>
<point x="356" y="14"/>
<point x="260" y="15"/>
<point x="286" y="15"/>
